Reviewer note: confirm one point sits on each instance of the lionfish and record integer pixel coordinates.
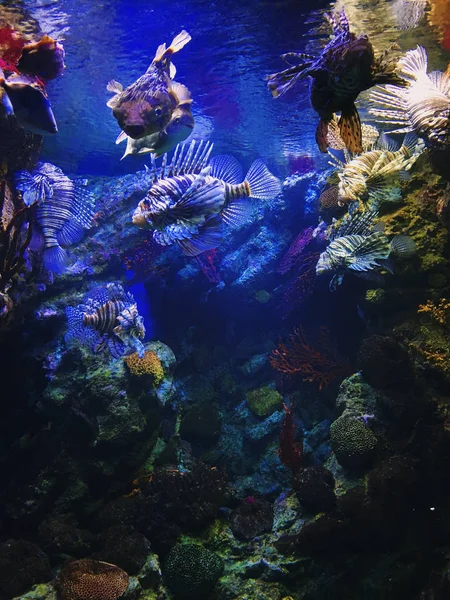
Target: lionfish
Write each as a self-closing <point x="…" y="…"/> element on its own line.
<point x="146" y="106"/>
<point x="373" y="177"/>
<point x="64" y="209"/>
<point x="422" y="107"/>
<point x="192" y="197"/>
<point x="345" y="67"/>
<point x="108" y="319"/>
<point x="357" y="247"/>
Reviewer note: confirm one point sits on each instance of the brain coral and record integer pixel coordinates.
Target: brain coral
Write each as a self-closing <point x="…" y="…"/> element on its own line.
<point x="352" y="442"/>
<point x="88" y="579"/>
<point x="191" y="571"/>
<point x="149" y="364"/>
<point x="264" y="401"/>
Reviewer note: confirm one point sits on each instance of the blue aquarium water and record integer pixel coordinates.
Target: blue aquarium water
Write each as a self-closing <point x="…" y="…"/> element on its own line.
<point x="225" y="300"/>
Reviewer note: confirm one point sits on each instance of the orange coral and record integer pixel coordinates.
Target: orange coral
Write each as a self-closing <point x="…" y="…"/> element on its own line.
<point x="88" y="579"/>
<point x="149" y="364"/>
<point x="439" y="312"/>
<point x="319" y="366"/>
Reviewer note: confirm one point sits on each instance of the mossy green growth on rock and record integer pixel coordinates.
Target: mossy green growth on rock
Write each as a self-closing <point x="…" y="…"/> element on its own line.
<point x="264" y="401"/>
<point x="352" y="442"/>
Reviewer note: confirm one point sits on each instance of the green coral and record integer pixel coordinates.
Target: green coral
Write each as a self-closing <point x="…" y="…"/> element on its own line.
<point x="264" y="401"/>
<point x="352" y="442"/>
<point x="191" y="571"/>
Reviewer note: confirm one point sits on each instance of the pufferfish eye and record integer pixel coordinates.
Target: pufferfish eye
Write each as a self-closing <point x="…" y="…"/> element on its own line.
<point x="157" y="110"/>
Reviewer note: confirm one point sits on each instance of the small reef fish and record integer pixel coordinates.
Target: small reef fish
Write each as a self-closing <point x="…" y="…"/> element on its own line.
<point x="108" y="319"/>
<point x="422" y="107"/>
<point x="26" y="98"/>
<point x="44" y="59"/>
<point x="374" y="176"/>
<point x="190" y="204"/>
<point x="176" y="131"/>
<point x="146" y="106"/>
<point x="345" y="67"/>
<point x="64" y="209"/>
<point x="360" y="254"/>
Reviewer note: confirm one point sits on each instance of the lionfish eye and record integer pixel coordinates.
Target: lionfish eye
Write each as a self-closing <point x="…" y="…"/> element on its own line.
<point x="158" y="111"/>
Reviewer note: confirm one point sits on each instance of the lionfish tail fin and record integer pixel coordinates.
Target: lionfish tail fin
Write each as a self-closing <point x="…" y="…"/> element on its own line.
<point x="55" y="259"/>
<point x="350" y="129"/>
<point x="263" y="185"/>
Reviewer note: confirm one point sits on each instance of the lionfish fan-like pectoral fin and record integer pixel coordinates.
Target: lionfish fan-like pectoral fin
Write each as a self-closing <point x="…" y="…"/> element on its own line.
<point x="71" y="233"/>
<point x="7" y="108"/>
<point x="403" y="246"/>
<point x="368" y="252"/>
<point x="208" y="238"/>
<point x="410" y="142"/>
<point x="202" y="197"/>
<point x="350" y="128"/>
<point x="298" y="59"/>
<point x="441" y="81"/>
<point x="226" y="168"/>
<point x="280" y="83"/>
<point x="179" y="42"/>
<point x="335" y="282"/>
<point x="55" y="259"/>
<point x="263" y="185"/>
<point x="37" y="243"/>
<point x="115" y="346"/>
<point x="414" y="63"/>
<point x="238" y="213"/>
<point x="384" y="142"/>
<point x="322" y="135"/>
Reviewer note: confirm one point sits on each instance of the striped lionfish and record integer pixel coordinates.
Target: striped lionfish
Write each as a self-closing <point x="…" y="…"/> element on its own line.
<point x="107" y="319"/>
<point x="374" y="176"/>
<point x="422" y="107"/>
<point x="357" y="247"/>
<point x="345" y="67"/>
<point x="193" y="196"/>
<point x="146" y="106"/>
<point x="64" y="209"/>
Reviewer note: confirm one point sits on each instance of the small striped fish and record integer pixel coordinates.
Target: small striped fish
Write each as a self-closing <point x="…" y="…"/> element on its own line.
<point x="193" y="196"/>
<point x="64" y="210"/>
<point x="361" y="253"/>
<point x="107" y="319"/>
<point x="422" y="107"/>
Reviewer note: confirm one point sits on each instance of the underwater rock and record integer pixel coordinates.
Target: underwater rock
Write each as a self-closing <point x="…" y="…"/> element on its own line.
<point x="202" y="421"/>
<point x="60" y="536"/>
<point x="86" y="579"/>
<point x="357" y="397"/>
<point x="166" y="389"/>
<point x="22" y="564"/>
<point x="42" y="591"/>
<point x="264" y="401"/>
<point x="191" y="571"/>
<point x="384" y="362"/>
<point x="124" y="547"/>
<point x="313" y="487"/>
<point x="353" y="443"/>
<point x="253" y="517"/>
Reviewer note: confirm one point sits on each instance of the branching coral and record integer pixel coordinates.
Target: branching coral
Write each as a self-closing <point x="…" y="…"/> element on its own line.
<point x="141" y="259"/>
<point x="206" y="260"/>
<point x="440" y="312"/>
<point x="303" y="285"/>
<point x="295" y="250"/>
<point x="316" y="365"/>
<point x="149" y="364"/>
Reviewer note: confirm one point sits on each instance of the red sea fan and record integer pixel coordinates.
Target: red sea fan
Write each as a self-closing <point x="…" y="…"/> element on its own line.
<point x="290" y="451"/>
<point x="295" y="250"/>
<point x="207" y="265"/>
<point x="141" y="259"/>
<point x="320" y="365"/>
<point x="302" y="287"/>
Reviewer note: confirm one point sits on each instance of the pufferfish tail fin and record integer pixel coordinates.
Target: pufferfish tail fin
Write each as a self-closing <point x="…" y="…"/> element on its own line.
<point x="178" y="42"/>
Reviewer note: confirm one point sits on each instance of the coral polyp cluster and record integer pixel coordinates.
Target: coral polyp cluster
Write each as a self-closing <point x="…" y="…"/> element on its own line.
<point x="149" y="365"/>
